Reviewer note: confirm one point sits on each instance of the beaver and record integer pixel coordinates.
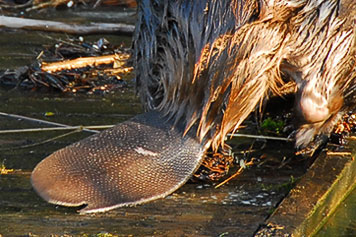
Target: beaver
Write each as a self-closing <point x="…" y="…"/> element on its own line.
<point x="201" y="68"/>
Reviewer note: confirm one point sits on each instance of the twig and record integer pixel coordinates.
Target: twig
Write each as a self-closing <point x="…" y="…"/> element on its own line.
<point x="41" y="121"/>
<point x="40" y="143"/>
<point x="259" y="137"/>
<point x="53" y="26"/>
<point x="3" y="169"/>
<point x="338" y="153"/>
<point x="80" y="128"/>
<point x="83" y="62"/>
<point x="238" y="172"/>
<point x="97" y="3"/>
<point x="88" y="128"/>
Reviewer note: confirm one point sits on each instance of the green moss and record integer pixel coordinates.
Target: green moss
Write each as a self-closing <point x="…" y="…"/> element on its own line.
<point x="271" y="125"/>
<point x="286" y="186"/>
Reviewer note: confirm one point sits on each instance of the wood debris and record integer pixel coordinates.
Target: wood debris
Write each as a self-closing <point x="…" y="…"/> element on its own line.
<point x="74" y="66"/>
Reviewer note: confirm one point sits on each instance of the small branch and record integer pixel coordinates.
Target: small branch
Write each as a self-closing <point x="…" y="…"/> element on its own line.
<point x="338" y="153"/>
<point x="80" y="128"/>
<point x="41" y="121"/>
<point x="259" y="137"/>
<point x="88" y="128"/>
<point x="83" y="62"/>
<point x="40" y="143"/>
<point x="238" y="172"/>
<point x="53" y="26"/>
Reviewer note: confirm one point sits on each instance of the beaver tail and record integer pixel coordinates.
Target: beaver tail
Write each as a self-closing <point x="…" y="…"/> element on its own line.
<point x="202" y="67"/>
<point x="147" y="157"/>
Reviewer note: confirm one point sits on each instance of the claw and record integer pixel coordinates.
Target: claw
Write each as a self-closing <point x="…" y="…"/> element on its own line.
<point x="137" y="161"/>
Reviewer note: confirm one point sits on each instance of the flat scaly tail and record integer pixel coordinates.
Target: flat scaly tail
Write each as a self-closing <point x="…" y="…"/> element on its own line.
<point x="137" y="161"/>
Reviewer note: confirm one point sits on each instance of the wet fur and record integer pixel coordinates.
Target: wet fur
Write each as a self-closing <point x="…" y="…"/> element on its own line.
<point x="211" y="63"/>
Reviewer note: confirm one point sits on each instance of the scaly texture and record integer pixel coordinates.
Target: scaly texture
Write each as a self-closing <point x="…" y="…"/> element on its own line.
<point x="142" y="159"/>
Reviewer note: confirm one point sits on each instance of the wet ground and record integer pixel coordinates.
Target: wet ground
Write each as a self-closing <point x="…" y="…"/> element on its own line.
<point x="342" y="222"/>
<point x="20" y="47"/>
<point x="236" y="209"/>
<point x="196" y="209"/>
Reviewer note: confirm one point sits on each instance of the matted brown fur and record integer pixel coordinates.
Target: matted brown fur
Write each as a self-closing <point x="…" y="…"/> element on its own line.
<point x="211" y="63"/>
